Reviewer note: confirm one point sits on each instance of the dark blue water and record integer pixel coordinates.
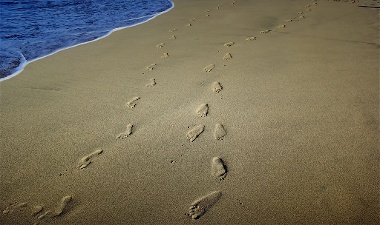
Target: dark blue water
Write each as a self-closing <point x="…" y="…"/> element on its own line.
<point x="31" y="29"/>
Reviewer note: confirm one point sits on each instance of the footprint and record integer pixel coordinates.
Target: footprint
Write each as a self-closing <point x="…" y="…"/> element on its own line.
<point x="126" y="133"/>
<point x="202" y="110"/>
<point x="287" y="21"/>
<point x="209" y="68"/>
<point x="207" y="15"/>
<point x="265" y="31"/>
<point x="13" y="207"/>
<point x="161" y="45"/>
<point x="85" y="161"/>
<point x="299" y="13"/>
<point x="43" y="215"/>
<point x="165" y="55"/>
<point x="173" y="37"/>
<point x="218" y="169"/>
<point x="188" y="25"/>
<point x="227" y="56"/>
<point x="151" y="83"/>
<point x="281" y="26"/>
<point x="250" y="38"/>
<point x="229" y="44"/>
<point x="203" y="204"/>
<point x="219" y="132"/>
<point x="172" y="30"/>
<point x="195" y="132"/>
<point x="216" y="87"/>
<point x="36" y="209"/>
<point x="151" y="66"/>
<point x="132" y="103"/>
<point x="301" y="17"/>
<point x="62" y="205"/>
<point x="192" y="19"/>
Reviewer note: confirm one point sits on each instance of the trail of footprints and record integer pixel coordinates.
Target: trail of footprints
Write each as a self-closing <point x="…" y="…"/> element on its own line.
<point x="218" y="167"/>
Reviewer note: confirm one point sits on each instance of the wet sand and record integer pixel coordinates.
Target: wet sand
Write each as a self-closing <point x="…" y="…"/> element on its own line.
<point x="217" y="112"/>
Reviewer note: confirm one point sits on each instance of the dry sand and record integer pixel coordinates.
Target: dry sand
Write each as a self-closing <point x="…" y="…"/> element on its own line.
<point x="297" y="105"/>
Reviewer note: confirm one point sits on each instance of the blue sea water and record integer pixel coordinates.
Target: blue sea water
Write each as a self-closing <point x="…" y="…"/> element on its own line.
<point x="31" y="29"/>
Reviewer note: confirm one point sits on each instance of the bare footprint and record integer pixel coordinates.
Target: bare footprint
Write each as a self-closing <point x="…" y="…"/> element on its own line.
<point x="151" y="66"/>
<point x="188" y="25"/>
<point x="250" y="38"/>
<point x="218" y="169"/>
<point x="229" y="44"/>
<point x="299" y="13"/>
<point x="62" y="205"/>
<point x="219" y="132"/>
<point x="43" y="215"/>
<point x="132" y="103"/>
<point x="209" y="68"/>
<point x="36" y="209"/>
<point x="161" y="45"/>
<point x="172" y="30"/>
<point x="165" y="55"/>
<point x="217" y="87"/>
<point x="265" y="31"/>
<point x="86" y="160"/>
<point x="14" y="206"/>
<point x="195" y="132"/>
<point x="287" y="21"/>
<point x="301" y="17"/>
<point x="202" y="110"/>
<point x="151" y="83"/>
<point x="126" y="133"/>
<point x="203" y="204"/>
<point x="281" y="26"/>
<point x="173" y="37"/>
<point x="227" y="56"/>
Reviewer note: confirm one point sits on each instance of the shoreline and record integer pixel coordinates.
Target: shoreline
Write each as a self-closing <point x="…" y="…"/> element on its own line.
<point x="22" y="65"/>
<point x="212" y="113"/>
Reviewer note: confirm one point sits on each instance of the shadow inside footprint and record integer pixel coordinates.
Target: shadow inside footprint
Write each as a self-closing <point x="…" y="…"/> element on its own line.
<point x="62" y="205"/>
<point x="209" y="68"/>
<point x="203" y="204"/>
<point x="216" y="87"/>
<point x="202" y="110"/>
<point x="219" y="132"/>
<point x="195" y="132"/>
<point x="218" y="168"/>
<point x="86" y="160"/>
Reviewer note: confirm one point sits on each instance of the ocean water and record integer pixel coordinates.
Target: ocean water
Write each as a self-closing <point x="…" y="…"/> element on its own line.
<point x="32" y="29"/>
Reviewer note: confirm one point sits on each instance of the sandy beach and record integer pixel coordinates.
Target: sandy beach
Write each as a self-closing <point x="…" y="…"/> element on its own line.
<point x="216" y="112"/>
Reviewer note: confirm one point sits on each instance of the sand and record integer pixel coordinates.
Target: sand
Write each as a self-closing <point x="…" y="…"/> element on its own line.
<point x="293" y="114"/>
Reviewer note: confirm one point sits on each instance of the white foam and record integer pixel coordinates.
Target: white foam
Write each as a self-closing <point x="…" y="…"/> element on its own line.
<point x="22" y="65"/>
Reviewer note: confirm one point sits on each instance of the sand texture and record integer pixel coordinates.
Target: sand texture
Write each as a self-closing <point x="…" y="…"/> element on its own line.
<point x="279" y="99"/>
